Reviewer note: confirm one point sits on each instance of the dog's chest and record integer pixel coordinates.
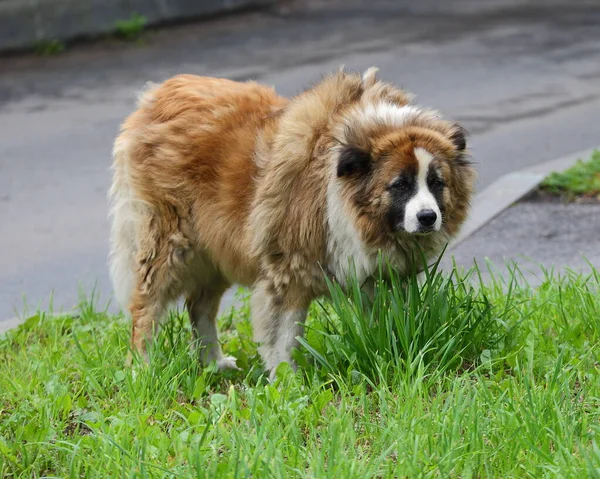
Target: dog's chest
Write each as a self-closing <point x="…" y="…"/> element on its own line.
<point x="351" y="259"/>
<point x="345" y="260"/>
<point x="348" y="256"/>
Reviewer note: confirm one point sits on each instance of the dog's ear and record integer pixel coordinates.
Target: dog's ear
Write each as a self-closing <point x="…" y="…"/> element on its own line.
<point x="353" y="161"/>
<point x="459" y="137"/>
<point x="369" y="77"/>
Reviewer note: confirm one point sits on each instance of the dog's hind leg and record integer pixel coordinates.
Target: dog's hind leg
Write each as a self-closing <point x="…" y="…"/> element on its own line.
<point x="161" y="266"/>
<point x="202" y="308"/>
<point x="146" y="311"/>
<point x="278" y="319"/>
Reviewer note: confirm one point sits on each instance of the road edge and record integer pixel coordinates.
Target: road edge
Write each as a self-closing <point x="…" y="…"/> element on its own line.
<point x="510" y="188"/>
<point x="23" y="25"/>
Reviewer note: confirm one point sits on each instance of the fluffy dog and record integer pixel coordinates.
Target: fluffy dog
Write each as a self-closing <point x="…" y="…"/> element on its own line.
<point x="218" y="182"/>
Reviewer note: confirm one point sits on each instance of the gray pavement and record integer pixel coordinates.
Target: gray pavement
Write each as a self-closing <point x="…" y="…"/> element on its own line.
<point x="538" y="236"/>
<point x="524" y="77"/>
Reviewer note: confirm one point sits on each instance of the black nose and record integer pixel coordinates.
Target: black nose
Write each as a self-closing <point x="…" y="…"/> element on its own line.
<point x="427" y="217"/>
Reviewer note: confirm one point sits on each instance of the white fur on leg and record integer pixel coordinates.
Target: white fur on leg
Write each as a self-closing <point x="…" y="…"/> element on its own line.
<point x="290" y="326"/>
<point x="275" y="330"/>
<point x="203" y="317"/>
<point x="207" y="338"/>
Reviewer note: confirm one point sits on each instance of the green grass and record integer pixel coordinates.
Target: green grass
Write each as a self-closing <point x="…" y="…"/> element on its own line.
<point x="131" y="29"/>
<point x="49" y="47"/>
<point x="433" y="379"/>
<point x="581" y="180"/>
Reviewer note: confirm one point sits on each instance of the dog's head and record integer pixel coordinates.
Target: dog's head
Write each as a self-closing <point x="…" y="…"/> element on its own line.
<point x="402" y="170"/>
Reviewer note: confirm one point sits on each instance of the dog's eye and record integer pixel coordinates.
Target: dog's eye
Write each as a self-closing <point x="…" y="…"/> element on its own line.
<point x="438" y="183"/>
<point x="399" y="183"/>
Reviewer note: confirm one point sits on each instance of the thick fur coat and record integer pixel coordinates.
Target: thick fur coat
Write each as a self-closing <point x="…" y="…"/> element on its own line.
<point x="218" y="182"/>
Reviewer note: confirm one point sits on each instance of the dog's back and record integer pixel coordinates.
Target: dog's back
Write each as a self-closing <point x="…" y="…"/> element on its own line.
<point x="181" y="171"/>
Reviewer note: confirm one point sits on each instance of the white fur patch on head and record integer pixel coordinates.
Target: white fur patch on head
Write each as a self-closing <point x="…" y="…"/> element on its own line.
<point x="389" y="114"/>
<point x="423" y="199"/>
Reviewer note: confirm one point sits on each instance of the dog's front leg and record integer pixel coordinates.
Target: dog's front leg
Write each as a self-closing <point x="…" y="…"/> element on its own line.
<point x="278" y="319"/>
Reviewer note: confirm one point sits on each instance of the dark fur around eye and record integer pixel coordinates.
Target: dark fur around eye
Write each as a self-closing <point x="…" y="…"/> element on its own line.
<point x="436" y="185"/>
<point x="436" y="182"/>
<point x="401" y="182"/>
<point x="401" y="190"/>
<point x="353" y="161"/>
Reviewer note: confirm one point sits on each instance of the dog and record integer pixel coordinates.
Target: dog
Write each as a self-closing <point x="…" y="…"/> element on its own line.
<point x="217" y="182"/>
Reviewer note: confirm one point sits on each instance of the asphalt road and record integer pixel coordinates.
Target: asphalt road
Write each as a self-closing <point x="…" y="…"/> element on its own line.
<point x="523" y="77"/>
<point x="557" y="238"/>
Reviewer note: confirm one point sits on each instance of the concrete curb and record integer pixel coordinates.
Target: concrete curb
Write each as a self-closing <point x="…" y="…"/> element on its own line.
<point x="510" y="188"/>
<point x="26" y="23"/>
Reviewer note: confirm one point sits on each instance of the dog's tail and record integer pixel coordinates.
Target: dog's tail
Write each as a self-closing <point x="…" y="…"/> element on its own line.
<point x="126" y="213"/>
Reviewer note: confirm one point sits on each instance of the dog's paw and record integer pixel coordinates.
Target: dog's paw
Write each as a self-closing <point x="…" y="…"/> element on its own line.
<point x="282" y="369"/>
<point x="227" y="362"/>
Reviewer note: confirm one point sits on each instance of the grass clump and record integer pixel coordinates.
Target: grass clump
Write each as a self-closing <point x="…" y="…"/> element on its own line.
<point x="440" y="322"/>
<point x="581" y="180"/>
<point x="131" y="29"/>
<point x="504" y="383"/>
<point x="49" y="47"/>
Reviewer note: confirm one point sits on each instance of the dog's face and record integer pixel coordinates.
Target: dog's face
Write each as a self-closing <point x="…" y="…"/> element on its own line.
<point x="413" y="180"/>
